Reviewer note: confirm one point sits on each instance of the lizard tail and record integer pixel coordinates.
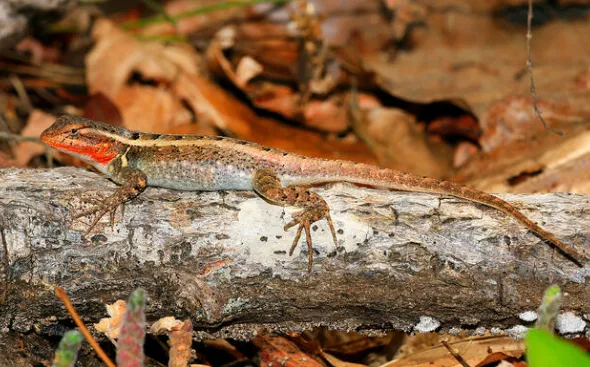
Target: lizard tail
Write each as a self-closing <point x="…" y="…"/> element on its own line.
<point x="390" y="179"/>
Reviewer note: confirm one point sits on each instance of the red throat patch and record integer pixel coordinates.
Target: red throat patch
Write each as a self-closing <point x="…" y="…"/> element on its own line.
<point x="101" y="154"/>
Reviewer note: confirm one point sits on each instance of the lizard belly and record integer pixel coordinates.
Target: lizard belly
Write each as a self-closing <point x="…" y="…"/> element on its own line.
<point x="196" y="176"/>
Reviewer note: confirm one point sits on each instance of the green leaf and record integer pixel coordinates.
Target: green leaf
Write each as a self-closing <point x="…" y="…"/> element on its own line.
<point x="546" y="350"/>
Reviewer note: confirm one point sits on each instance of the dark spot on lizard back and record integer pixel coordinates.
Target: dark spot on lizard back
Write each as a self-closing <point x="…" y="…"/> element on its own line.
<point x="267" y="149"/>
<point x="217" y="138"/>
<point x="241" y="142"/>
<point x="134" y="135"/>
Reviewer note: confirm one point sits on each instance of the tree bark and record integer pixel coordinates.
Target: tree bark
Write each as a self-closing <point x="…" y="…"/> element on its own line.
<point x="221" y="257"/>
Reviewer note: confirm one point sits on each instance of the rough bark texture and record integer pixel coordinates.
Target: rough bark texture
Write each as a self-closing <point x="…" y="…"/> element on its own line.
<point x="220" y="257"/>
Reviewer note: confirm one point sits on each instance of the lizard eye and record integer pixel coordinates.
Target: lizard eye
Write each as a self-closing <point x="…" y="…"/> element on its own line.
<point x="74" y="131"/>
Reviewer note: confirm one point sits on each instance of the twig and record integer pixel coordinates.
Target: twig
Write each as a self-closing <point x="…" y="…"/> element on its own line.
<point x="61" y="294"/>
<point x="529" y="64"/>
<point x="456" y="355"/>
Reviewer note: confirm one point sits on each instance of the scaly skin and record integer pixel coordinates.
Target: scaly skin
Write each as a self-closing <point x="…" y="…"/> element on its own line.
<point x="135" y="160"/>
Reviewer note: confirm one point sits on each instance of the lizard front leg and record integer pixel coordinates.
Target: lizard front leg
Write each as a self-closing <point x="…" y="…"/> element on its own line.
<point x="133" y="182"/>
<point x="267" y="184"/>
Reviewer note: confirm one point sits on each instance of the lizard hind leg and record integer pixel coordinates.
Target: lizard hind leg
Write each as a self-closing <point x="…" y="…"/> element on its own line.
<point x="267" y="184"/>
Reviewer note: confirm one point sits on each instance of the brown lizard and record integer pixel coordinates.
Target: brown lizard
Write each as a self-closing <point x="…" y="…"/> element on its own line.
<point x="136" y="160"/>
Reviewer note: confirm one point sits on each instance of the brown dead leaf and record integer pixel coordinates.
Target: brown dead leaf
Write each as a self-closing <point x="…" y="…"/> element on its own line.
<point x="226" y="346"/>
<point x="111" y="326"/>
<point x="485" y="66"/>
<point x="38" y="121"/>
<point x="277" y="351"/>
<point x="398" y="142"/>
<point x="548" y="163"/>
<point x="473" y="350"/>
<point x="337" y="362"/>
<point x="213" y="103"/>
<point x="247" y="69"/>
<point x="100" y="108"/>
<point x="150" y="109"/>
<point x="493" y="358"/>
<point x="284" y="59"/>
<point x="117" y="56"/>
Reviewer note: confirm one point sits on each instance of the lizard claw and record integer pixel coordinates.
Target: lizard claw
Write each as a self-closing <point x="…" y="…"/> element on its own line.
<point x="108" y="206"/>
<point x="304" y="219"/>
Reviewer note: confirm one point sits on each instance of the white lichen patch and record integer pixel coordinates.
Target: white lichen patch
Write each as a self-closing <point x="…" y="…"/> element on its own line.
<point x="261" y="226"/>
<point x="517" y="332"/>
<point x="427" y="324"/>
<point x="528" y="316"/>
<point x="496" y="331"/>
<point x="568" y="323"/>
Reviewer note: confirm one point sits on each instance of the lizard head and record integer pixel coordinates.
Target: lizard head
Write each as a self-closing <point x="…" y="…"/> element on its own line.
<point x="91" y="141"/>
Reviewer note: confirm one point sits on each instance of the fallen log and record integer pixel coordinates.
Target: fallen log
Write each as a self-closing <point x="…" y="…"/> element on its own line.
<point x="221" y="257"/>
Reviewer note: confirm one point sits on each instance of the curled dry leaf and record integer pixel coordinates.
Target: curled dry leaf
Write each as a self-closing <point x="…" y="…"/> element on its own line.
<point x="473" y="350"/>
<point x="310" y="65"/>
<point x="247" y="69"/>
<point x="165" y="325"/>
<point x="111" y="326"/>
<point x="117" y="56"/>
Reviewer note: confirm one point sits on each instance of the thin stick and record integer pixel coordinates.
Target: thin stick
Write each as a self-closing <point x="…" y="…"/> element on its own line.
<point x="61" y="294"/>
<point x="455" y="354"/>
<point x="529" y="64"/>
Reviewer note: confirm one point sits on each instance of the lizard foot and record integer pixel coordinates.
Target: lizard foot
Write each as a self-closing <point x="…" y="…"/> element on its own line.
<point x="109" y="206"/>
<point x="134" y="182"/>
<point x="304" y="219"/>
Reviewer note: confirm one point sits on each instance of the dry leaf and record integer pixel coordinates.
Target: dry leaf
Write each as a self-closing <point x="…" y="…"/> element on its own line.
<point x="213" y="103"/>
<point x="165" y="325"/>
<point x="117" y="55"/>
<point x="247" y="69"/>
<point x="473" y="350"/>
<point x="38" y="121"/>
<point x="277" y="351"/>
<point x="150" y="109"/>
<point x="548" y="163"/>
<point x="336" y="362"/>
<point x="111" y="326"/>
<point x="399" y="143"/>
